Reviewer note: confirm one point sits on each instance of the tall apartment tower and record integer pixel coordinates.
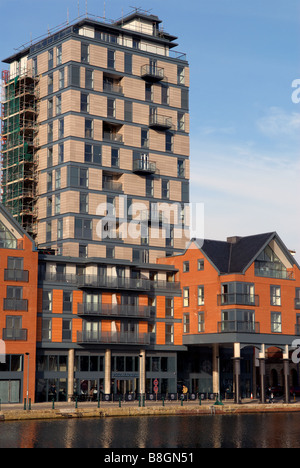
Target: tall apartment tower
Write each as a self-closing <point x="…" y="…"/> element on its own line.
<point x="97" y="114"/>
<point x="95" y="157"/>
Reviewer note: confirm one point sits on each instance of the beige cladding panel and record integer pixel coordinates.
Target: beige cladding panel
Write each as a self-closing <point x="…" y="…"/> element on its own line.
<point x="97" y="204"/>
<point x="95" y="179"/>
<point x="98" y="105"/>
<point x="70" y="101"/>
<point x="133" y="88"/>
<point x="71" y="51"/>
<point x="96" y="250"/>
<point x="98" y="56"/>
<point x="182" y="144"/>
<point x="134" y="184"/>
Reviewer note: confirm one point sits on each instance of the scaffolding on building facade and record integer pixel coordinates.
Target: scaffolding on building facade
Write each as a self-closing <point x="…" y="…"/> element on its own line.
<point x="19" y="144"/>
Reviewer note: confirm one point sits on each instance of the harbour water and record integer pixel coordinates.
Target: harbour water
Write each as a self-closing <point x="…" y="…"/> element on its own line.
<point x="277" y="430"/>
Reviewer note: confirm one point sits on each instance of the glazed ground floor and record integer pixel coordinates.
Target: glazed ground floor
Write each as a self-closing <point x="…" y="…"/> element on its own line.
<point x="231" y="370"/>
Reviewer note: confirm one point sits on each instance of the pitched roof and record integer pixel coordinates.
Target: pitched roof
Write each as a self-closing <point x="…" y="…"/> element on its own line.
<point x="236" y="256"/>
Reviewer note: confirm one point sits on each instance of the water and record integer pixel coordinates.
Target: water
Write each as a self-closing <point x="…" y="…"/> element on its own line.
<point x="218" y="431"/>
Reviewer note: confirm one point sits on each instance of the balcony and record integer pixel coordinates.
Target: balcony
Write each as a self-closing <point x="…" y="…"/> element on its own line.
<point x="239" y="299"/>
<point x="110" y="136"/>
<point x="14" y="334"/>
<point x="15" y="304"/>
<point x="144" y="166"/>
<point x="268" y="271"/>
<point x="113" y="282"/>
<point x="160" y="122"/>
<point x="111" y="185"/>
<point x="238" y="327"/>
<point x="115" y="310"/>
<point x="98" y="337"/>
<point x="152" y="73"/>
<point x="112" y="88"/>
<point x="297" y="303"/>
<point x="16" y="275"/>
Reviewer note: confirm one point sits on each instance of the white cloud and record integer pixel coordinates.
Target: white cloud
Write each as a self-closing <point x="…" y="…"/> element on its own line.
<point x="278" y="123"/>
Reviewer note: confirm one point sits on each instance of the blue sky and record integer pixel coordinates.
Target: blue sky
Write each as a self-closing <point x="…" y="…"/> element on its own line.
<point x="245" y="138"/>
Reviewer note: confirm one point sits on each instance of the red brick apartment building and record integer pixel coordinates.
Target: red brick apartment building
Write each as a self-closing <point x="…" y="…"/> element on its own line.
<point x="240" y="301"/>
<point x="18" y="316"/>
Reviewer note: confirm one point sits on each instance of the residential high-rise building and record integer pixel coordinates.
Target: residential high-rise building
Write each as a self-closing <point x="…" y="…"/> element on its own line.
<point x="95" y="158"/>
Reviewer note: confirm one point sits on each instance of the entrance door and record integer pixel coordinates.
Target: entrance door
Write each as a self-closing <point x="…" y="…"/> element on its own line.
<point x="10" y="391"/>
<point x="125" y="386"/>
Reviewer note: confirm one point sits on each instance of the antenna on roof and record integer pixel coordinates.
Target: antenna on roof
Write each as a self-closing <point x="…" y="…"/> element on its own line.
<point x="68" y="16"/>
<point x="86" y="8"/>
<point x="78" y="8"/>
<point x="104" y="11"/>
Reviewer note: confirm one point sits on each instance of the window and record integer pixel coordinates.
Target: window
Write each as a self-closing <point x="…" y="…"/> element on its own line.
<point x="110" y="252"/>
<point x="111" y="108"/>
<point x="50" y="83"/>
<point x="169" y="307"/>
<point x="67" y="301"/>
<point x="180" y="167"/>
<point x="200" y="295"/>
<point x="169" y="333"/>
<point x="47" y="301"/>
<point x="78" y="176"/>
<point x="48" y="232"/>
<point x="50" y="108"/>
<point x="58" y="104"/>
<point x="57" y="179"/>
<point x="74" y="75"/>
<point x="200" y="322"/>
<point x="149" y="187"/>
<point x="49" y="206"/>
<point x="181" y="121"/>
<point x="200" y="264"/>
<point x="59" y="55"/>
<point x="186" y="267"/>
<point x="128" y="111"/>
<point x="83" y="228"/>
<point x="180" y="75"/>
<point x="60" y="153"/>
<point x="49" y="181"/>
<point x="92" y="153"/>
<point x="66" y="330"/>
<point x="84" y="53"/>
<point x="50" y="132"/>
<point x="57" y="204"/>
<point x="50" y="156"/>
<point x="110" y="59"/>
<point x="88" y="128"/>
<point x="83" y="203"/>
<point x="144" y="138"/>
<point x="14" y="292"/>
<point x="61" y="128"/>
<point x="61" y="79"/>
<point x="186" y="323"/>
<point x="169" y="141"/>
<point x="128" y="63"/>
<point x="276" y="322"/>
<point x="184" y="99"/>
<point x="165" y="189"/>
<point x="164" y="94"/>
<point x="115" y="157"/>
<point x="46" y="329"/>
<point x="275" y="293"/>
<point x="186" y="297"/>
<point x="185" y="192"/>
<point x="82" y="250"/>
<point x="50" y="58"/>
<point x="148" y="92"/>
<point x="89" y="78"/>
<point x="84" y="102"/>
<point x="59" y="229"/>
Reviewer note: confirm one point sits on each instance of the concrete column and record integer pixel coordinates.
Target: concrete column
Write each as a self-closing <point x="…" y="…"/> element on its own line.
<point x="262" y="367"/>
<point x="215" y="368"/>
<point x="237" y="371"/>
<point x="142" y="361"/>
<point x="71" y="359"/>
<point x="107" y="372"/>
<point x="286" y="373"/>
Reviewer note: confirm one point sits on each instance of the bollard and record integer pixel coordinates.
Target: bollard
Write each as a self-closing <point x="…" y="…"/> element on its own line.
<point x="163" y="401"/>
<point x="29" y="405"/>
<point x="25" y="404"/>
<point x="182" y="400"/>
<point x="143" y="400"/>
<point x="99" y="401"/>
<point x="200" y="402"/>
<point x="52" y="403"/>
<point x="119" y="402"/>
<point x="139" y="401"/>
<point x="76" y="402"/>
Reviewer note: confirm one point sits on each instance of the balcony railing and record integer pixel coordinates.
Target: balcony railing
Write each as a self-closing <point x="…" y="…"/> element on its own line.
<point x="15" y="304"/>
<point x="268" y="272"/>
<point x="113" y="282"/>
<point x="87" y="336"/>
<point x="161" y="122"/>
<point x="115" y="310"/>
<point x="143" y="165"/>
<point x="112" y="88"/>
<point x="111" y="185"/>
<point x="240" y="299"/>
<point x="152" y="73"/>
<point x="297" y="303"/>
<point x="238" y="327"/>
<point x="16" y="275"/>
<point x="14" y="334"/>
<point x="108" y="136"/>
